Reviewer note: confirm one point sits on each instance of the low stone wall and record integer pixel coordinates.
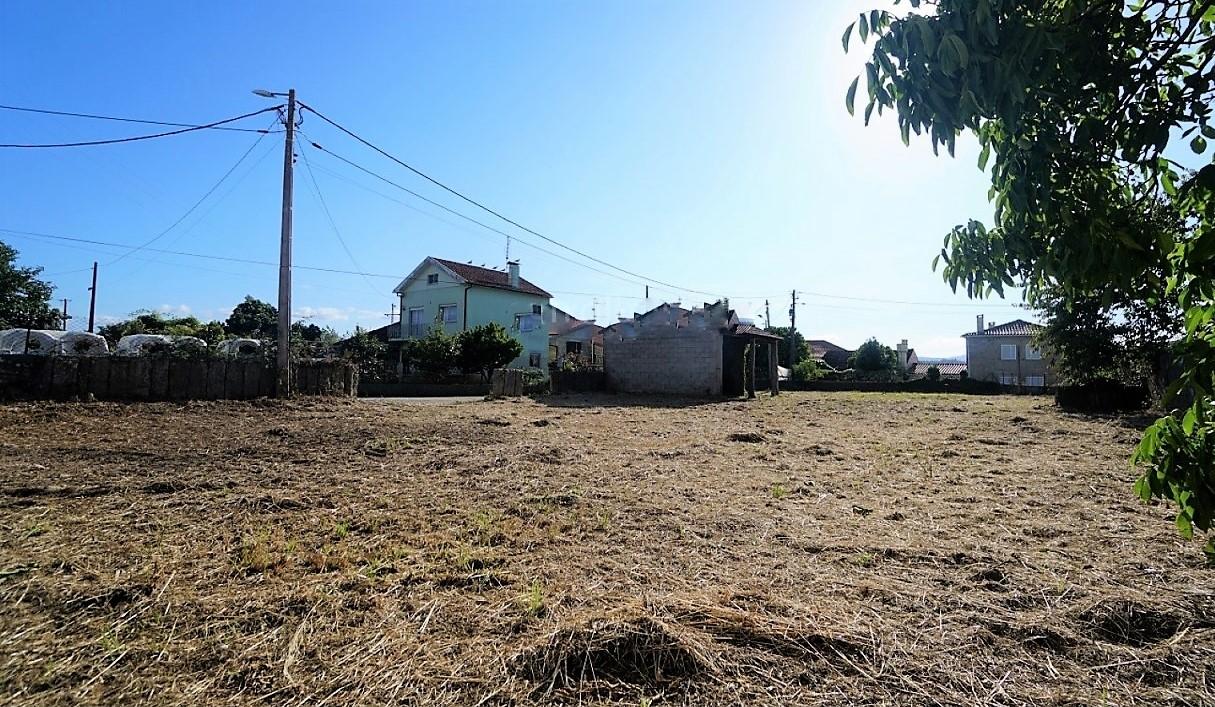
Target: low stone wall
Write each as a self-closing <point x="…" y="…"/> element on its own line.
<point x="28" y="377"/>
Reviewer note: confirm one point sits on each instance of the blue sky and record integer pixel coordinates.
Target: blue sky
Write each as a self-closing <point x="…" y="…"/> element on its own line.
<point x="704" y="144"/>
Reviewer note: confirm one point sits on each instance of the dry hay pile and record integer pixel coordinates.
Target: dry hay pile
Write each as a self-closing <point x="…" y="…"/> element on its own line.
<point x="809" y="549"/>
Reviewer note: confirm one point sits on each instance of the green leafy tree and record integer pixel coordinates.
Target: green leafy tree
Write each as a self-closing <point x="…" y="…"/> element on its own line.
<point x="366" y="351"/>
<point x="434" y="355"/>
<point x="253" y="319"/>
<point x="933" y="373"/>
<point x="24" y="299"/>
<point x="1125" y="337"/>
<point x="485" y="348"/>
<point x="782" y="349"/>
<point x="1078" y="107"/>
<point x="872" y="357"/>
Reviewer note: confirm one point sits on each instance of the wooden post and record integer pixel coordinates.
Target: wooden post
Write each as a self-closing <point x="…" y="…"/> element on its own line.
<point x="749" y="358"/>
<point x="773" y="371"/>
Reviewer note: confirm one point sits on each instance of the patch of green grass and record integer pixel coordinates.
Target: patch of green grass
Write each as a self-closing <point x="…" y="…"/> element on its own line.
<point x="34" y="531"/>
<point x="863" y="559"/>
<point x="532" y="603"/>
<point x="779" y="491"/>
<point x="256" y="553"/>
<point x="341" y="529"/>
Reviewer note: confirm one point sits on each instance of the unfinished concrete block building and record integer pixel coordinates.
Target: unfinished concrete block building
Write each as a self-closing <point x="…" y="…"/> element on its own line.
<point x="670" y="350"/>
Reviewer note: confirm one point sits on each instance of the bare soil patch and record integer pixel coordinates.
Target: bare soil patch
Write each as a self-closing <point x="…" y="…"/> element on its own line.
<point x="815" y="548"/>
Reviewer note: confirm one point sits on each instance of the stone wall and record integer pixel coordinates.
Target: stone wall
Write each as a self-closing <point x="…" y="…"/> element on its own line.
<point x="31" y="377"/>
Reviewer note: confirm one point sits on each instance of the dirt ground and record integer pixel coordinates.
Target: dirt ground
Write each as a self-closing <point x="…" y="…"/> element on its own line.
<point x="806" y="549"/>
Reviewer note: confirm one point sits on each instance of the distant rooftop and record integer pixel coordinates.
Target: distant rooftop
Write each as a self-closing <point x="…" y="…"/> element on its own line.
<point x="1017" y="327"/>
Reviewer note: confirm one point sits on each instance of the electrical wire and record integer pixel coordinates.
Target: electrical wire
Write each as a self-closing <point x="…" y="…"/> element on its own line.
<point x="329" y="216"/>
<point x="877" y="300"/>
<point x="470" y="219"/>
<point x="225" y="258"/>
<point x="499" y="215"/>
<point x="196" y="204"/>
<point x="135" y="138"/>
<point x="126" y="120"/>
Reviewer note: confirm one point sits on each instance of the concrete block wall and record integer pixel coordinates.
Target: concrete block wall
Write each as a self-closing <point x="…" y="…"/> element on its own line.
<point x="665" y="360"/>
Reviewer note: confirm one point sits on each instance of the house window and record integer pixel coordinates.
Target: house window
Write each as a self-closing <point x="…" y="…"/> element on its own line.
<point x="533" y="359"/>
<point x="416" y="327"/>
<point x="573" y="347"/>
<point x="1033" y="353"/>
<point x="1008" y="352"/>
<point x="447" y="313"/>
<point x="1008" y="379"/>
<point x="1035" y="381"/>
<point x="432" y="279"/>
<point x="527" y="322"/>
<point x="537" y="309"/>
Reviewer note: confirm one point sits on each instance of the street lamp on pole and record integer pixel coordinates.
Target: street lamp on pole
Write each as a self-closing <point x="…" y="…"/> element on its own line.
<point x="284" y="261"/>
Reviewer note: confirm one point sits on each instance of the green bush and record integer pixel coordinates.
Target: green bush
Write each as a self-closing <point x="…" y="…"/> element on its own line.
<point x="434" y="355"/>
<point x="933" y="374"/>
<point x="807" y="370"/>
<point x="485" y="348"/>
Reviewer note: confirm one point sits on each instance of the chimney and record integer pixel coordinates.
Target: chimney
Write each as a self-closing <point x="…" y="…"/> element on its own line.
<point x="979" y="324"/>
<point x="513" y="267"/>
<point x="903" y="355"/>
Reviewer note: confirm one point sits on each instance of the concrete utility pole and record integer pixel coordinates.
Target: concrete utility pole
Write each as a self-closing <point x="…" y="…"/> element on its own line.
<point x="284" y="258"/>
<point x="284" y="254"/>
<point x="793" y="332"/>
<point x="767" y="316"/>
<point x="93" y="297"/>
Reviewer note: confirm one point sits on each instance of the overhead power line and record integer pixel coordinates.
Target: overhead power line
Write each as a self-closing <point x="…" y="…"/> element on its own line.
<point x="468" y="218"/>
<point x="135" y="138"/>
<point x="92" y="116"/>
<point x="196" y="204"/>
<point x="487" y="209"/>
<point x="328" y="215"/>
<point x="878" y="300"/>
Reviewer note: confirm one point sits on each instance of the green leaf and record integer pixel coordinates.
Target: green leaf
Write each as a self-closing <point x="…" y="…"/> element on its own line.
<point x="850" y="100"/>
<point x="1184" y="526"/>
<point x="864" y="28"/>
<point x="984" y="156"/>
<point x="1208" y="131"/>
<point x="848" y="35"/>
<point x="1198" y="144"/>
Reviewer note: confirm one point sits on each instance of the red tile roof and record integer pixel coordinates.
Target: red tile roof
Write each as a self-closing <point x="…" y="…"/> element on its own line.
<point x="488" y="277"/>
<point x="1017" y="327"/>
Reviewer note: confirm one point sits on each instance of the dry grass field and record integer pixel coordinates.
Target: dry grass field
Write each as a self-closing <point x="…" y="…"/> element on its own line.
<point x="808" y="549"/>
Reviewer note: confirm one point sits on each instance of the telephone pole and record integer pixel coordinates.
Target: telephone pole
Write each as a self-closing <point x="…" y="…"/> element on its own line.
<point x="93" y="297"/>
<point x="793" y="332"/>
<point x="64" y="316"/>
<point x="767" y="316"/>
<point x="284" y="254"/>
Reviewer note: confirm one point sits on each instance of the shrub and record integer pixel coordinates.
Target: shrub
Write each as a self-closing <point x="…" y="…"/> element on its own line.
<point x="534" y="382"/>
<point x="434" y="354"/>
<point x="806" y="370"/>
<point x="933" y="374"/>
<point x="485" y="348"/>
